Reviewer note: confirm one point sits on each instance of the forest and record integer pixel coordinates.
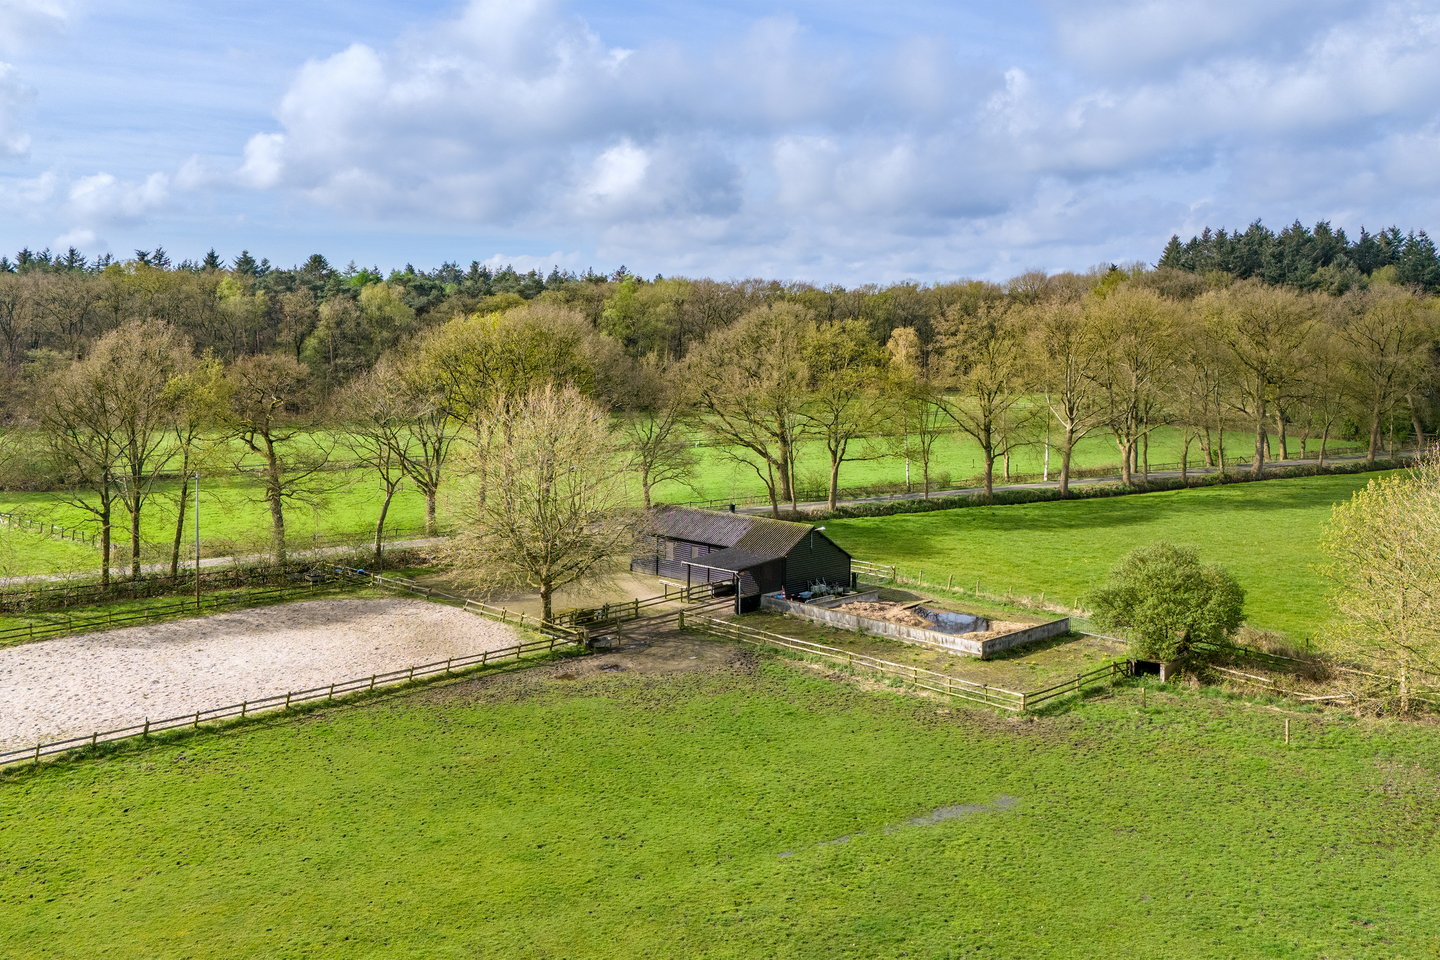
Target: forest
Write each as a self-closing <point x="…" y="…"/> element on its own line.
<point x="120" y="376"/>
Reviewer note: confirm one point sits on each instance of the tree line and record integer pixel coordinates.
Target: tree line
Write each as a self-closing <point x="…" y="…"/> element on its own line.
<point x="123" y="376"/>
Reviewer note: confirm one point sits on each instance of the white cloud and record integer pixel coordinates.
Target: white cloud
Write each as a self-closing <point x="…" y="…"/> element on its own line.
<point x="103" y="197"/>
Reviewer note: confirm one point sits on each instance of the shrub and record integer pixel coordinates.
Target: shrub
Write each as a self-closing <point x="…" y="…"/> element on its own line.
<point x="1164" y="600"/>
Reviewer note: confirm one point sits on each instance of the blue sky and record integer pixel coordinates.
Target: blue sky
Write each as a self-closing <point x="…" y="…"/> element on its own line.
<point x="830" y="142"/>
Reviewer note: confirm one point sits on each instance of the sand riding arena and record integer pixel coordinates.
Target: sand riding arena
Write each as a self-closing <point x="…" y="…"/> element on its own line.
<point x="71" y="686"/>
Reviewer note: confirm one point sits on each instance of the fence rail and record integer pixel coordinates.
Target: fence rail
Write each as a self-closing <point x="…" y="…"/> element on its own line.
<point x="880" y="574"/>
<point x="284" y="701"/>
<point x="71" y="625"/>
<point x="45" y="527"/>
<point x="943" y="683"/>
<point x="628" y="610"/>
<point x="517" y="617"/>
<point x="990" y="696"/>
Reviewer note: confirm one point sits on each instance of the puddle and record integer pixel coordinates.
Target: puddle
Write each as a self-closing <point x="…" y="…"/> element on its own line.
<point x="1001" y="804"/>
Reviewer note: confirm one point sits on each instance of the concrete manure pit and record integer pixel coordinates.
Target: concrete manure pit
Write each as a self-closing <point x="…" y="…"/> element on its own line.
<point x="965" y="634"/>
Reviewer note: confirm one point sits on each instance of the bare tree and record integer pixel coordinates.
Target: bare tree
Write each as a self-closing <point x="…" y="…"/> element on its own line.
<point x="1386" y="335"/>
<point x="1138" y="329"/>
<point x="556" y="514"/>
<point x="985" y="363"/>
<point x="1066" y="348"/>
<point x="846" y="405"/>
<point x="655" y="428"/>
<point x="915" y="397"/>
<point x="1265" y="333"/>
<point x="748" y="380"/>
<point x="267" y="413"/>
<point x="378" y="436"/>
<point x="81" y="435"/>
<point x="141" y="365"/>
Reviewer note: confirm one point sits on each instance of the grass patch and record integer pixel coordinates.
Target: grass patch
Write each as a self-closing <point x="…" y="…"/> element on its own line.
<point x="1266" y="534"/>
<point x="757" y="812"/>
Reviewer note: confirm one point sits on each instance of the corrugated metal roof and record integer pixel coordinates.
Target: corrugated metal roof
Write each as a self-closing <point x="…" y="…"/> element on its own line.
<point x="760" y="537"/>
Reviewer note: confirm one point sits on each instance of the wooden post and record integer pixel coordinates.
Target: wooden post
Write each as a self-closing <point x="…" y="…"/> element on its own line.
<point x="1287" y="729"/>
<point x="950" y="583"/>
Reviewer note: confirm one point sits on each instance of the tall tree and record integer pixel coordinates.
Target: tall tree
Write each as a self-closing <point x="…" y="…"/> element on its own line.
<point x="1265" y="332"/>
<point x="655" y="427"/>
<point x="556" y="513"/>
<point x="269" y="413"/>
<point x="984" y="363"/>
<point x="846" y="407"/>
<point x="1385" y="571"/>
<point x="1066" y="348"/>
<point x="141" y="366"/>
<point x="1387" y="335"/>
<point x="749" y="380"/>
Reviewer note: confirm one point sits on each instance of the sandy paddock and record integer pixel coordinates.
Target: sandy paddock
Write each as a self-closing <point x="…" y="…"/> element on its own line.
<point x="72" y="686"/>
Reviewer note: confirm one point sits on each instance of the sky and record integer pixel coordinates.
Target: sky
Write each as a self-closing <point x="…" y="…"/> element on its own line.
<point x="823" y="142"/>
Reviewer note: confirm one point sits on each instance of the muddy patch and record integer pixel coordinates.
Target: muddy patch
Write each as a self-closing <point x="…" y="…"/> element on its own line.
<point x="1001" y="804"/>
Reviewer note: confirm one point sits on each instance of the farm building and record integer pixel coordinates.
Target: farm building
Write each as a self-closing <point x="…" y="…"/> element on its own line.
<point x="757" y="554"/>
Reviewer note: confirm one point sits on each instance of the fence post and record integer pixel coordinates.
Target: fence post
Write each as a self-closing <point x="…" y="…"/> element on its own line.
<point x="147" y="728"/>
<point x="197" y="718"/>
<point x="244" y="708"/>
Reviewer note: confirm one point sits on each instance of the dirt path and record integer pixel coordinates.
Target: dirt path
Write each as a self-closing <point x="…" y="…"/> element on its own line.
<point x="72" y="686"/>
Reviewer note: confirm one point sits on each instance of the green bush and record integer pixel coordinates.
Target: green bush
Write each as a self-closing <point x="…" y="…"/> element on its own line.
<point x="1164" y="600"/>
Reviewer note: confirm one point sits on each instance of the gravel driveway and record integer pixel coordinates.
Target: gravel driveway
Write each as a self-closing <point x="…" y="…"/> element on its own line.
<point x="72" y="686"/>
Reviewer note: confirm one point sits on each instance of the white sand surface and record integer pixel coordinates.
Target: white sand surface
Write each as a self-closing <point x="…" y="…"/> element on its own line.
<point x="73" y="686"/>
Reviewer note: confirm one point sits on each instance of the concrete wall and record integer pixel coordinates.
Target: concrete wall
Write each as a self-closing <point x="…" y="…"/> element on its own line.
<point x="917" y="635"/>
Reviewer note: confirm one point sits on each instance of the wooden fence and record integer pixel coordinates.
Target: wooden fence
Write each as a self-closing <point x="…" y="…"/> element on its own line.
<point x="990" y="696"/>
<point x="987" y="694"/>
<point x="628" y="610"/>
<point x="881" y="574"/>
<point x="519" y="618"/>
<point x="284" y="701"/>
<point x="169" y="611"/>
<point x="45" y="528"/>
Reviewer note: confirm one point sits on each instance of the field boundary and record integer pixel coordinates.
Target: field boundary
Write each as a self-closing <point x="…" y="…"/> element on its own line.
<point x="470" y="605"/>
<point x="170" y="611"/>
<point x="45" y="528"/>
<point x="990" y="695"/>
<point x="285" y="701"/>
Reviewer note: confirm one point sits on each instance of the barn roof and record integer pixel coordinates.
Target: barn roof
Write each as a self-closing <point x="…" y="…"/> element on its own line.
<point x="753" y="539"/>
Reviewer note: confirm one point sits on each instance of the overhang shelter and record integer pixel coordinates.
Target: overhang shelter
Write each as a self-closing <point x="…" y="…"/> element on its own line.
<point x="756" y="554"/>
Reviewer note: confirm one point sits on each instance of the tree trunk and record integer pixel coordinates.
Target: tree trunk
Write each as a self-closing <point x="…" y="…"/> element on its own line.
<point x="1185" y="460"/>
<point x="1416" y="425"/>
<point x="1145" y="456"/>
<point x="1067" y="451"/>
<point x="834" y="478"/>
<point x="547" y="596"/>
<point x="430" y="511"/>
<point x="135" y="538"/>
<point x="1374" y="448"/>
<point x="1127" y="460"/>
<point x="1324" y="442"/>
<point x="105" y="547"/>
<point x="380" y="529"/>
<point x="989" y="475"/>
<point x="1261" y="438"/>
<point x="179" y="535"/>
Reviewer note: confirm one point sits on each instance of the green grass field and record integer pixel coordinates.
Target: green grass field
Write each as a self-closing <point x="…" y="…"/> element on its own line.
<point x="753" y="811"/>
<point x="1267" y="534"/>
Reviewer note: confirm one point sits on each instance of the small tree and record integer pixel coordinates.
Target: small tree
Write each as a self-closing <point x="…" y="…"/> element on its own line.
<point x="556" y="511"/>
<point x="1164" y="600"/>
<point x="1383" y="560"/>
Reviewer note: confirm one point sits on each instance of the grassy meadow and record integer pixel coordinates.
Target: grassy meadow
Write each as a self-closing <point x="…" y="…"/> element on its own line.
<point x="754" y="810"/>
<point x="1266" y="534"/>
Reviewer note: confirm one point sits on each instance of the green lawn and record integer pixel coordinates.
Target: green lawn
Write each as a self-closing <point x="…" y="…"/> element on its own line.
<point x="1267" y="534"/>
<point x="752" y="812"/>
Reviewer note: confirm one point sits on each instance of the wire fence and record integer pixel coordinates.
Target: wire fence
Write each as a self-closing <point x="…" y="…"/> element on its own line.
<point x="48" y="529"/>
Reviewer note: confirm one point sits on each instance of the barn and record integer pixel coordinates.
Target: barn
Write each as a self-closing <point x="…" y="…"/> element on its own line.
<point x="757" y="554"/>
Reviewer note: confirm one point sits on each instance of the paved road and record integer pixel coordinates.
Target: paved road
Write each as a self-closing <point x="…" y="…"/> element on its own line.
<point x="815" y="506"/>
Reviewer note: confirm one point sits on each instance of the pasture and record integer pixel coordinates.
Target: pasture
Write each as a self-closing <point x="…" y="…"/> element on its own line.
<point x="1267" y="535"/>
<point x="721" y="804"/>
